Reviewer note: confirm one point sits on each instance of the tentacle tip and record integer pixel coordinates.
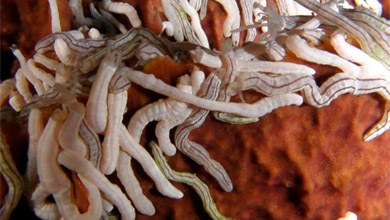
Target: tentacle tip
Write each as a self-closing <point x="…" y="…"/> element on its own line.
<point x="170" y="151"/>
<point x="295" y="99"/>
<point x="228" y="188"/>
<point x="233" y="88"/>
<point x="147" y="209"/>
<point x="13" y="47"/>
<point x="375" y="132"/>
<point x="176" y="194"/>
<point x="369" y="136"/>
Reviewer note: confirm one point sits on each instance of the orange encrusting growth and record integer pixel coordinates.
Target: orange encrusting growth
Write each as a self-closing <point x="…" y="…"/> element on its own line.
<point x="151" y="13"/>
<point x="80" y="194"/>
<point x="167" y="69"/>
<point x="295" y="163"/>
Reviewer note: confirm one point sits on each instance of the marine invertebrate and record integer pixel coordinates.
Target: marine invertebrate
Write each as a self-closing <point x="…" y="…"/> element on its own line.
<point x="84" y="67"/>
<point x="13" y="179"/>
<point x="190" y="179"/>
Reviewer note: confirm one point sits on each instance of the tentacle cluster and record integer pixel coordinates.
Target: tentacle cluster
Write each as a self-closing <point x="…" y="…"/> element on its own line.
<point x="79" y="80"/>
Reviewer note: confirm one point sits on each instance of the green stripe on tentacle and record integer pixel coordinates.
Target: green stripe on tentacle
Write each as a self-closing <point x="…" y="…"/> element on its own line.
<point x="190" y="179"/>
<point x="12" y="177"/>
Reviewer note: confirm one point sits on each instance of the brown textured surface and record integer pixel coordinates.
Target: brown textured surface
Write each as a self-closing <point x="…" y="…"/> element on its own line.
<point x="295" y="163"/>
